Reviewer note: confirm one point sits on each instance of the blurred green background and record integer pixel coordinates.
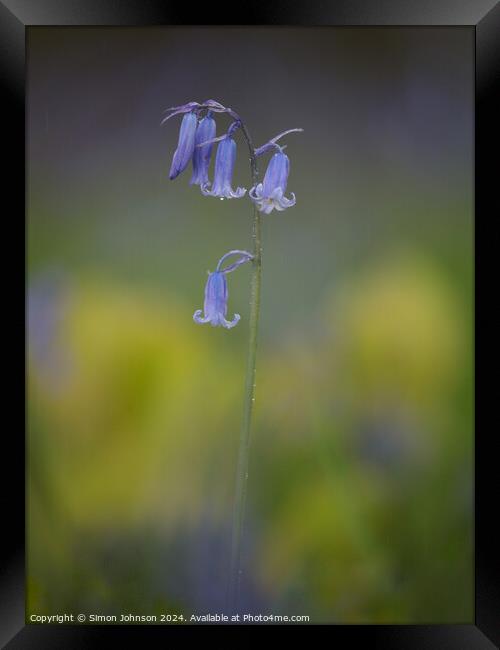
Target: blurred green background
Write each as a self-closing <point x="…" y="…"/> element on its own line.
<point x="361" y="469"/>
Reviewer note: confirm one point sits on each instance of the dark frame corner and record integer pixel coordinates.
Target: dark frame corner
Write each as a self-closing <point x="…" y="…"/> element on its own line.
<point x="481" y="15"/>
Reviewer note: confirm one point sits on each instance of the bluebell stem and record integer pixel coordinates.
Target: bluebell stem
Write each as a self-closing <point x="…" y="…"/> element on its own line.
<point x="201" y="156"/>
<point x="185" y="147"/>
<point x="224" y="166"/>
<point x="270" y="194"/>
<point x="266" y="196"/>
<point x="216" y="293"/>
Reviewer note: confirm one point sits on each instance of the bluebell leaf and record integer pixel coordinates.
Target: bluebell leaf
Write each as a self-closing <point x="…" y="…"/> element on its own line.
<point x="185" y="147"/>
<point x="230" y="131"/>
<point x="215" y="106"/>
<point x="216" y="293"/>
<point x="245" y="256"/>
<point x="269" y="146"/>
<point x="219" y="108"/>
<point x="201" y="156"/>
<point x="176" y="110"/>
<point x="209" y="104"/>
<point x="224" y="166"/>
<point x="183" y="108"/>
<point x="270" y="194"/>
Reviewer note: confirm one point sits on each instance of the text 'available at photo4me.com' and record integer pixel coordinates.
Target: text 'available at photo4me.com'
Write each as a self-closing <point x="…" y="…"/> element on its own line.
<point x="153" y="619"/>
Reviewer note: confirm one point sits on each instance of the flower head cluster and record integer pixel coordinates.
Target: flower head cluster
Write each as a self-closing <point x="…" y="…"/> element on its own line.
<point x="196" y="141"/>
<point x="197" y="137"/>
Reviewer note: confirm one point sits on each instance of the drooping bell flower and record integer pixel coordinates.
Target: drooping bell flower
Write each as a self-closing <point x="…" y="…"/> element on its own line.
<point x="216" y="293"/>
<point x="224" y="166"/>
<point x="270" y="194"/>
<point x="201" y="157"/>
<point x="185" y="147"/>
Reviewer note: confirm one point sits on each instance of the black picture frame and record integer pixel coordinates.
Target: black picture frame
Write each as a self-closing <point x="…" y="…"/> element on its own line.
<point x="483" y="16"/>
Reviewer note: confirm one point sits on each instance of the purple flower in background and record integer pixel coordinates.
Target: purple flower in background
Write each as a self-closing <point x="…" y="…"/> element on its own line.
<point x="216" y="293"/>
<point x="185" y="147"/>
<point x="224" y="165"/>
<point x="47" y="302"/>
<point x="271" y="193"/>
<point x="201" y="156"/>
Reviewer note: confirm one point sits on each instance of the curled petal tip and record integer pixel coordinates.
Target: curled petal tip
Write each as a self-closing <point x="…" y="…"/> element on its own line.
<point x="238" y="193"/>
<point x="197" y="317"/>
<point x="230" y="324"/>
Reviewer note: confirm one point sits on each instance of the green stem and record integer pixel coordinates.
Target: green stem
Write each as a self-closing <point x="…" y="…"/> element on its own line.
<point x="249" y="398"/>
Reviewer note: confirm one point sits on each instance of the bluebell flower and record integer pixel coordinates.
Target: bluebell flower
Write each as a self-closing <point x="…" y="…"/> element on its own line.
<point x="201" y="156"/>
<point x="216" y="293"/>
<point x="271" y="193"/>
<point x="224" y="166"/>
<point x="185" y="147"/>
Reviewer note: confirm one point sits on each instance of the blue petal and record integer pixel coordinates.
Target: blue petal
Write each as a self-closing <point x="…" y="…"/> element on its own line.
<point x="224" y="166"/>
<point x="185" y="147"/>
<point x="276" y="175"/>
<point x="201" y="156"/>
